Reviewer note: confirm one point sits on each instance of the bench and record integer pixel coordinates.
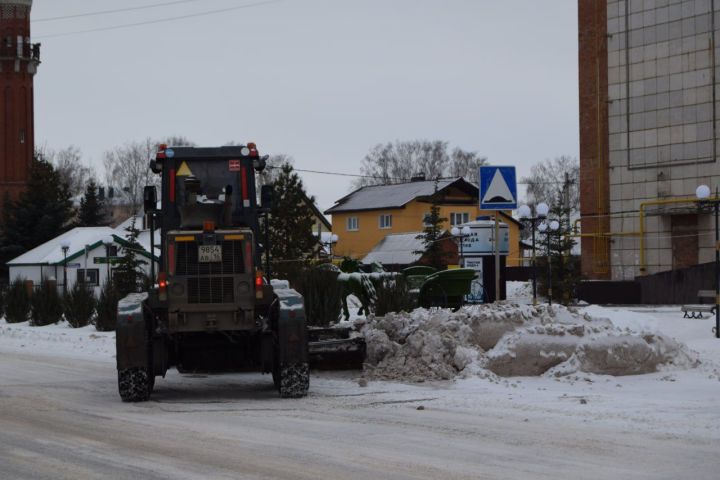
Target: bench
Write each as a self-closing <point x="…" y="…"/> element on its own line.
<point x="696" y="311"/>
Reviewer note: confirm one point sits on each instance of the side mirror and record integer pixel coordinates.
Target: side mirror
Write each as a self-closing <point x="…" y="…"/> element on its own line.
<point x="150" y="198"/>
<point x="266" y="197"/>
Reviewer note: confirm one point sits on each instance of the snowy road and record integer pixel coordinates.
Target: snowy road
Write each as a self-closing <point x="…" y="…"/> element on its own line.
<point x="60" y="417"/>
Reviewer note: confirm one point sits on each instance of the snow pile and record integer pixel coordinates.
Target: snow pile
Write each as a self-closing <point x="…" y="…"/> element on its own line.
<point x="513" y="340"/>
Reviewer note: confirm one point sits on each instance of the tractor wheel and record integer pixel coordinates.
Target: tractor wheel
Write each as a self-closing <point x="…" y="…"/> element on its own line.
<point x="294" y="380"/>
<point x="135" y="385"/>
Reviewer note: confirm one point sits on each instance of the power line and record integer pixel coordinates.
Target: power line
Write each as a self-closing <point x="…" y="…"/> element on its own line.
<point x="162" y="20"/>
<point x="108" y="12"/>
<point x="357" y="175"/>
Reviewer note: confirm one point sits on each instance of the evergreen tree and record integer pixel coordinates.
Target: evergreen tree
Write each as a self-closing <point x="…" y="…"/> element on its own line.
<point x="128" y="274"/>
<point x="432" y="234"/>
<point x="106" y="320"/>
<point x="17" y="302"/>
<point x="79" y="305"/>
<point x="565" y="267"/>
<point x="47" y="307"/>
<point x="92" y="210"/>
<point x="291" y="225"/>
<point x="42" y="212"/>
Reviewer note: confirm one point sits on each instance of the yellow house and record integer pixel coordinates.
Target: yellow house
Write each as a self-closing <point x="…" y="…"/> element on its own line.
<point x="364" y="217"/>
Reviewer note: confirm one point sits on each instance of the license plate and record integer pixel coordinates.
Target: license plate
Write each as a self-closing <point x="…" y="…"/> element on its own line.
<point x="209" y="253"/>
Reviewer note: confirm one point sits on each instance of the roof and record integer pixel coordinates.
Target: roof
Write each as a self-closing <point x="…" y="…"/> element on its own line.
<point x="50" y="252"/>
<point x="395" y="195"/>
<point x="396" y="249"/>
<point x="317" y="212"/>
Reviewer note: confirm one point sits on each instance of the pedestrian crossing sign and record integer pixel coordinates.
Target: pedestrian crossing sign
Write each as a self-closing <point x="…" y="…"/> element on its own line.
<point x="498" y="188"/>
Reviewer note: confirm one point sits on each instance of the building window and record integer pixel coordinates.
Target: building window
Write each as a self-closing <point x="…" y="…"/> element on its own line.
<point x="459" y="218"/>
<point x="426" y="220"/>
<point x="89" y="277"/>
<point x="112" y="251"/>
<point x="385" y="221"/>
<point x="22" y="135"/>
<point x="352" y="224"/>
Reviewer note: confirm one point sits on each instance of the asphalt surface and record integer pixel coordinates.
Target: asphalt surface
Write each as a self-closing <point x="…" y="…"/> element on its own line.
<point x="62" y="418"/>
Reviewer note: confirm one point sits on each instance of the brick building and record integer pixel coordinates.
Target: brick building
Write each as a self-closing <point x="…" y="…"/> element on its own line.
<point x="19" y="59"/>
<point x="648" y="133"/>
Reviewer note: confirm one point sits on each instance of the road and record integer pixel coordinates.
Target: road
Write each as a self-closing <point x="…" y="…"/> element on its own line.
<point x="61" y="418"/>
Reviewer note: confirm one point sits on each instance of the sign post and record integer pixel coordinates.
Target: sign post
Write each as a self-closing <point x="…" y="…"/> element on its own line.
<point x="498" y="191"/>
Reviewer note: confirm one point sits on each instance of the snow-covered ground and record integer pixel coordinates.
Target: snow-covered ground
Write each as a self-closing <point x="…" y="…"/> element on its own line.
<point x="664" y="424"/>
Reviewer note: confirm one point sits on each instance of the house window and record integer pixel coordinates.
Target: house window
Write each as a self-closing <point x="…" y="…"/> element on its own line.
<point x="427" y="219"/>
<point x="385" y="221"/>
<point x="112" y="251"/>
<point x="459" y="218"/>
<point x="88" y="276"/>
<point x="352" y="224"/>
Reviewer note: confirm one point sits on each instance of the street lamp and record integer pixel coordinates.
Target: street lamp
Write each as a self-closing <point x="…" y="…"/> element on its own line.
<point x="65" y="246"/>
<point x="703" y="195"/>
<point x="461" y="234"/>
<point x="108" y="241"/>
<point x="525" y="214"/>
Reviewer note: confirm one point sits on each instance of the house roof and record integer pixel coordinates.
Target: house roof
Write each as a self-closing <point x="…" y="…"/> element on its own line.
<point x="396" y="249"/>
<point x="50" y="252"/>
<point x="317" y="212"/>
<point x="393" y="196"/>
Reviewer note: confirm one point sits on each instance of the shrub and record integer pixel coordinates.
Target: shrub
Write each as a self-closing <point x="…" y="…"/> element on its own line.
<point x="79" y="304"/>
<point x="106" y="320"/>
<point x="46" y="305"/>
<point x="321" y="292"/>
<point x="393" y="295"/>
<point x="17" y="302"/>
<point x="2" y="301"/>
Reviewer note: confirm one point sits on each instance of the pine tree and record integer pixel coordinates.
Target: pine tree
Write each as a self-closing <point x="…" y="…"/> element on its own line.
<point x="42" y="212"/>
<point x="128" y="274"/>
<point x="92" y="210"/>
<point x="47" y="307"/>
<point x="291" y="225"/>
<point x="433" y="252"/>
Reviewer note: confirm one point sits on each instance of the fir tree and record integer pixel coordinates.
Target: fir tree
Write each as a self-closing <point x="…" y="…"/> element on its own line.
<point x="47" y="307"/>
<point x="291" y="225"/>
<point x="127" y="275"/>
<point x="92" y="210"/>
<point x="433" y="252"/>
<point x="565" y="268"/>
<point x="42" y="212"/>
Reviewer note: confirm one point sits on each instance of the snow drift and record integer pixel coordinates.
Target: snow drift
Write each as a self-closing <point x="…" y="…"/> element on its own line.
<point x="512" y="340"/>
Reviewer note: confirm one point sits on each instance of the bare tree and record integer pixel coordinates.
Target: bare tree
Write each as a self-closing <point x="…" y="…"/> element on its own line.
<point x="555" y="182"/>
<point x="397" y="162"/>
<point x="177" y="141"/>
<point x="69" y="165"/>
<point x="127" y="168"/>
<point x="466" y="164"/>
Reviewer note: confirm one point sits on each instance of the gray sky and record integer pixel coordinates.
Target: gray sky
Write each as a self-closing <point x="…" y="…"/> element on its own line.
<point x="320" y="80"/>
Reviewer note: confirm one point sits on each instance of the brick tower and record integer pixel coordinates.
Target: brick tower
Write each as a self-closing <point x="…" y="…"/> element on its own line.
<point x="19" y="59"/>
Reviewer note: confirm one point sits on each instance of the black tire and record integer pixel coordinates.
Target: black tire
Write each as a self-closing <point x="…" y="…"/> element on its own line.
<point x="294" y="380"/>
<point x="135" y="385"/>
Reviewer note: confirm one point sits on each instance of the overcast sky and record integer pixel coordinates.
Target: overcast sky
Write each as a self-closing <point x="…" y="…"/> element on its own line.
<point x="320" y="80"/>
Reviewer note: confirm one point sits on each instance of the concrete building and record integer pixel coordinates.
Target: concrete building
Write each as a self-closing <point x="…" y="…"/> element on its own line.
<point x="19" y="59"/>
<point x="648" y="134"/>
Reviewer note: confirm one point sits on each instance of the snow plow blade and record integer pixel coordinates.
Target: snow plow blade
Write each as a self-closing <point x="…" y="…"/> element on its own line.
<point x="333" y="349"/>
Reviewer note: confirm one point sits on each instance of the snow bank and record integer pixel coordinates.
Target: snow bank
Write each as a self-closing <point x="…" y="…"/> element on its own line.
<point x="58" y="339"/>
<point x="513" y="340"/>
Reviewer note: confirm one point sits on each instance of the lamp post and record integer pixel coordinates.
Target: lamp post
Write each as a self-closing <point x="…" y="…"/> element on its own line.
<point x="65" y="246"/>
<point x="525" y="214"/>
<point x="108" y="241"/>
<point x="461" y="234"/>
<point x="548" y="229"/>
<point x="703" y="194"/>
